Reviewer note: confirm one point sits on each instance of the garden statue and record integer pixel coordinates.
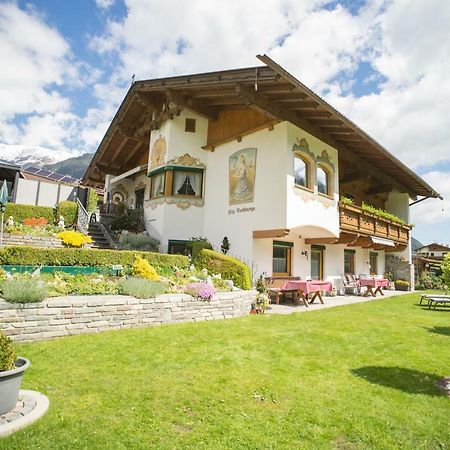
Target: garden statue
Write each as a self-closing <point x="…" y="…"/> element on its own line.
<point x="192" y="268"/>
<point x="61" y="222"/>
<point x="225" y="245"/>
<point x="10" y="221"/>
<point x="209" y="280"/>
<point x="204" y="272"/>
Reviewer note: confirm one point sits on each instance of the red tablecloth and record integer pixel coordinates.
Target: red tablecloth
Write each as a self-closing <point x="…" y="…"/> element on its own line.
<point x="309" y="286"/>
<point x="374" y="282"/>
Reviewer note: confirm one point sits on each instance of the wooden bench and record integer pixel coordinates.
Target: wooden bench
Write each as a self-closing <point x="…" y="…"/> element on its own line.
<point x="274" y="285"/>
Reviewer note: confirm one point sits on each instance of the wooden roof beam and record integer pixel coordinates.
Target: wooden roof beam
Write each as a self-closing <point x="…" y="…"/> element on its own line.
<point x="305" y="104"/>
<point x="380" y="189"/>
<point x="260" y="103"/>
<point x="353" y="176"/>
<point x="185" y="102"/>
<point x="322" y="123"/>
<point x="131" y="134"/>
<point x="119" y="148"/>
<point x="132" y="153"/>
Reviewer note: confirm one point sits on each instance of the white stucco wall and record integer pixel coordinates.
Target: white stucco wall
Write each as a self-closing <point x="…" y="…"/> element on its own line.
<point x="33" y="192"/>
<point x="277" y="204"/>
<point x="310" y="213"/>
<point x="267" y="211"/>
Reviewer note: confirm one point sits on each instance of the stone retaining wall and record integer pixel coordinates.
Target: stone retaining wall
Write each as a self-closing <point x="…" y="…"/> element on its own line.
<point x="64" y="316"/>
<point x="31" y="241"/>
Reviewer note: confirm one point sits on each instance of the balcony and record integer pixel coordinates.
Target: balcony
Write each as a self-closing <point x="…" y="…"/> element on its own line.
<point x="354" y="220"/>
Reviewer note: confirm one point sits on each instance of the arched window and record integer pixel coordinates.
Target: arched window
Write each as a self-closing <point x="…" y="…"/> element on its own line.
<point x="301" y="172"/>
<point x="323" y="181"/>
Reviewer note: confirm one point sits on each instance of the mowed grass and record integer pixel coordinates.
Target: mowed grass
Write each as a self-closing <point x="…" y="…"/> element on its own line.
<point x="354" y="377"/>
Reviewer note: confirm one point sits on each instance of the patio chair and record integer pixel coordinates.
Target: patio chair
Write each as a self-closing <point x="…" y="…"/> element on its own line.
<point x="350" y="284"/>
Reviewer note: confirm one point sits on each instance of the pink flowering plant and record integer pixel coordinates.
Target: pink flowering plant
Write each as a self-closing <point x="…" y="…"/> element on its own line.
<point x="200" y="290"/>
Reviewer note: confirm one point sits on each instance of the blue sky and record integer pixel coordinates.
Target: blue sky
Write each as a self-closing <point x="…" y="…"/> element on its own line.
<point x="69" y="64"/>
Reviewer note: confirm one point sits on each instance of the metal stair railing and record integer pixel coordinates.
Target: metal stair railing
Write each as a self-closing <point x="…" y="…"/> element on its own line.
<point x="82" y="218"/>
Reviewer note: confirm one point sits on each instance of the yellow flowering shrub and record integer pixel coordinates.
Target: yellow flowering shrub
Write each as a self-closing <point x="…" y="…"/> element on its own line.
<point x="74" y="238"/>
<point x="143" y="269"/>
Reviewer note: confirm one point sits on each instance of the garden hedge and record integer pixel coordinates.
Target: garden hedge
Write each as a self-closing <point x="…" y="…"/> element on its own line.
<point x="68" y="210"/>
<point x="85" y="257"/>
<point x="21" y="212"/>
<point x="230" y="268"/>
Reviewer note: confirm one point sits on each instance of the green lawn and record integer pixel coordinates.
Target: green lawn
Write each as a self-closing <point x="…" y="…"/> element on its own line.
<point x="353" y="377"/>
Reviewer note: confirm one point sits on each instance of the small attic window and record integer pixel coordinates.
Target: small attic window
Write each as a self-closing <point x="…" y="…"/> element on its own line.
<point x="189" y="125"/>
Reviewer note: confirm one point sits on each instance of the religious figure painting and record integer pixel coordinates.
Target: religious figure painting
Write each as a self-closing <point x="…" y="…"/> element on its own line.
<point x="242" y="170"/>
<point x="158" y="153"/>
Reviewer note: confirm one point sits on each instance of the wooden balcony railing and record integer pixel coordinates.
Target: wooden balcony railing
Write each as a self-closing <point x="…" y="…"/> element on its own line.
<point x="354" y="219"/>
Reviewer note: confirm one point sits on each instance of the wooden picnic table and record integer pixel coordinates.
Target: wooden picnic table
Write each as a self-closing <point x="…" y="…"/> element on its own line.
<point x="373" y="285"/>
<point x="315" y="287"/>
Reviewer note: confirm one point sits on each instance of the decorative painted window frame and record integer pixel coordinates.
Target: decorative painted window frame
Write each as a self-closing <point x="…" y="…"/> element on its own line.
<point x="184" y="163"/>
<point x="301" y="150"/>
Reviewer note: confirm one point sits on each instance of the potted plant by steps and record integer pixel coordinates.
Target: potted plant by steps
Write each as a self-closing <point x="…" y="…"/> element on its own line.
<point x="401" y="285"/>
<point x="12" y="369"/>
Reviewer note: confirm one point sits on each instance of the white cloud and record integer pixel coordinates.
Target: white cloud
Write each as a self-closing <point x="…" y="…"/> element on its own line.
<point x="434" y="211"/>
<point x="36" y="62"/>
<point x="104" y="4"/>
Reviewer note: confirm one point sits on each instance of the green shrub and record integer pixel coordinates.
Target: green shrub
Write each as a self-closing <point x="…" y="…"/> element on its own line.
<point x="401" y="283"/>
<point x="138" y="241"/>
<point x="230" y="268"/>
<point x="130" y="220"/>
<point x="427" y="280"/>
<point x="7" y="353"/>
<point x="381" y="213"/>
<point x="445" y="267"/>
<point x="347" y="200"/>
<point x="22" y="212"/>
<point x="196" y="245"/>
<point x="141" y="288"/>
<point x="68" y="210"/>
<point x="33" y="256"/>
<point x="92" y="200"/>
<point x="24" y="291"/>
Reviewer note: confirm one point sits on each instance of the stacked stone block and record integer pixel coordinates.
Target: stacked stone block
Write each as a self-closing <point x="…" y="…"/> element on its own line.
<point x="65" y="316"/>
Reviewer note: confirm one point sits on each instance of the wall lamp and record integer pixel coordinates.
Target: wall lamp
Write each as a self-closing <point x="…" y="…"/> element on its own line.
<point x="305" y="253"/>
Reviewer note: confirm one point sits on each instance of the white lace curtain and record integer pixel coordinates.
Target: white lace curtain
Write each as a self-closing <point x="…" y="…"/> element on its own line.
<point x="195" y="180"/>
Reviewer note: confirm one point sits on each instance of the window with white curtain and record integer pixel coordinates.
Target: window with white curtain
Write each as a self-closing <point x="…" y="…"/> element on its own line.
<point x="187" y="183"/>
<point x="158" y="182"/>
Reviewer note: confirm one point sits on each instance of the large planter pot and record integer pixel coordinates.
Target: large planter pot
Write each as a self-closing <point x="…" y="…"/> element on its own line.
<point x="401" y="287"/>
<point x="10" y="382"/>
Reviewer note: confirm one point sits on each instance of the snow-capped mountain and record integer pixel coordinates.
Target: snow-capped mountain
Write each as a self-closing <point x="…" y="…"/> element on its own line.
<point x="31" y="155"/>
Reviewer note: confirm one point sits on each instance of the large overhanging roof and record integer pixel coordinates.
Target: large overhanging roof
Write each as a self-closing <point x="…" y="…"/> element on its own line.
<point x="268" y="89"/>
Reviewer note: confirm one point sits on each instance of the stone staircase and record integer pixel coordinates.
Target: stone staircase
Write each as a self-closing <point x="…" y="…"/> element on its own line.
<point x="99" y="236"/>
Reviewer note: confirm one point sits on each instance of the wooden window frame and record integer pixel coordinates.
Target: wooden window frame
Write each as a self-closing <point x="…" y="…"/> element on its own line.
<point x="190" y="125"/>
<point x="152" y="177"/>
<point x="308" y="166"/>
<point x="168" y="172"/>
<point x="288" y="246"/>
<point x="329" y="187"/>
<point x="187" y="169"/>
<point x="320" y="249"/>
<point x="352" y="261"/>
<point x="373" y="255"/>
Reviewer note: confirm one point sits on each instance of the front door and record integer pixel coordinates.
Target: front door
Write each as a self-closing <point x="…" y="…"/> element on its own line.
<point x="139" y="198"/>
<point x="317" y="263"/>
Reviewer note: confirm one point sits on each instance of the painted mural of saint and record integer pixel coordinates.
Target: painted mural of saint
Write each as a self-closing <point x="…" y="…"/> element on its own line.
<point x="242" y="166"/>
<point x="242" y="189"/>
